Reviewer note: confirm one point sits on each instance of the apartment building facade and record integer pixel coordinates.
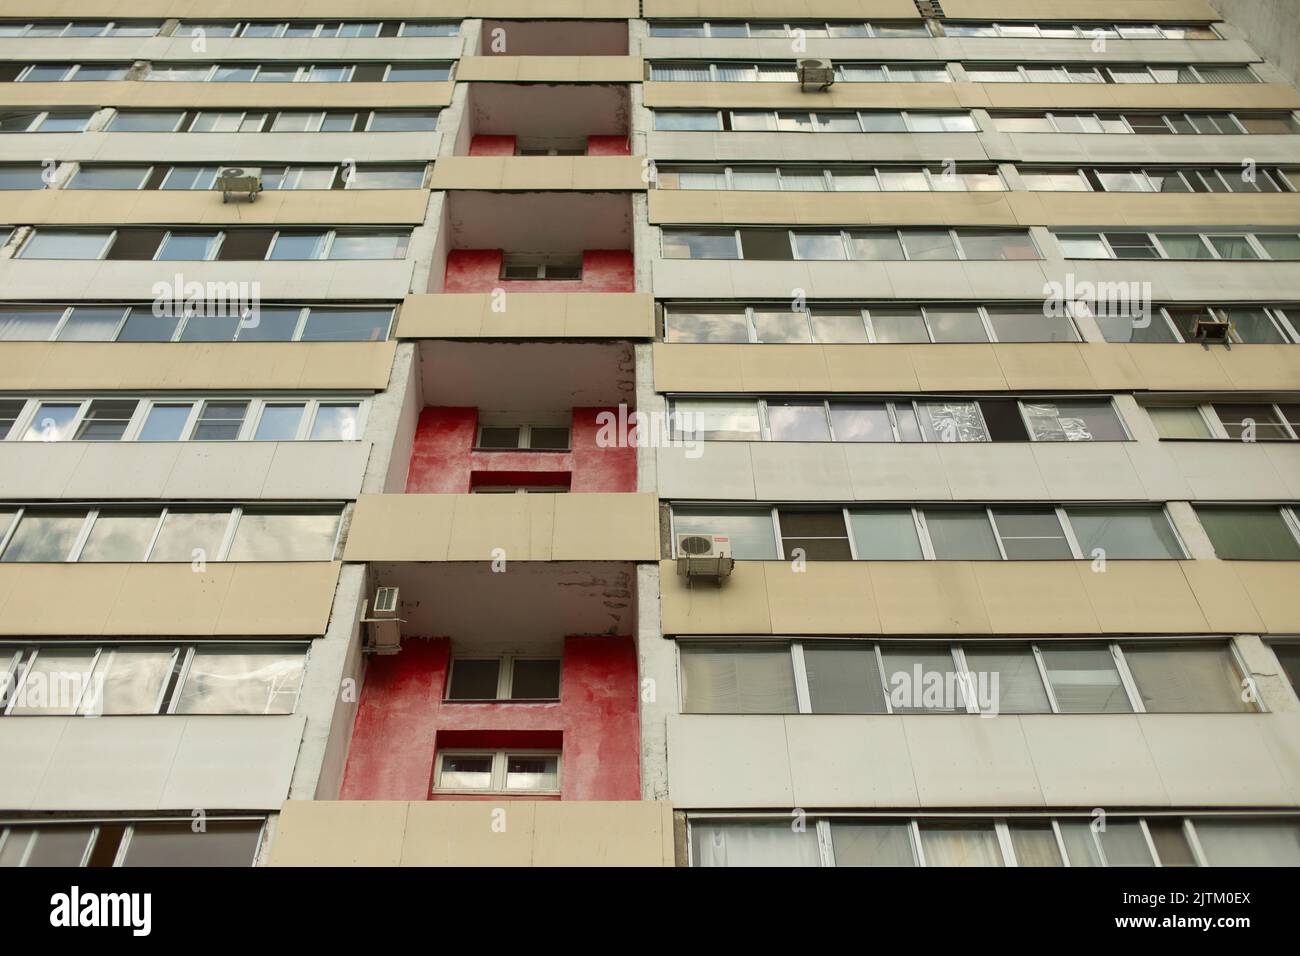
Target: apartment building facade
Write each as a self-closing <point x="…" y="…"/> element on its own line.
<point x="343" y="523"/>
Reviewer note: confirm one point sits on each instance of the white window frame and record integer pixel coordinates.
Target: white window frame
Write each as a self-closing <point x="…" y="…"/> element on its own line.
<point x="505" y="678"/>
<point x="500" y="759"/>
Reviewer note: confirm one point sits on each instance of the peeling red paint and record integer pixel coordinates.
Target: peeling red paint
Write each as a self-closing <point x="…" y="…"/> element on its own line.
<point x="608" y="146"/>
<point x="444" y="460"/>
<point x="492" y="146"/>
<point x="479" y="270"/>
<point x="402" y="720"/>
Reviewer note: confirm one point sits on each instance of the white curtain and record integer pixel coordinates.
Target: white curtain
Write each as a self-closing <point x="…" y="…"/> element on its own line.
<point x="754" y="844"/>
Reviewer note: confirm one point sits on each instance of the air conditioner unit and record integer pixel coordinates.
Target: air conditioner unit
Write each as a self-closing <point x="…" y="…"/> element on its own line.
<point x="704" y="556"/>
<point x="239" y="180"/>
<point x="1209" y="330"/>
<point x="815" y="74"/>
<point x="384" y="627"/>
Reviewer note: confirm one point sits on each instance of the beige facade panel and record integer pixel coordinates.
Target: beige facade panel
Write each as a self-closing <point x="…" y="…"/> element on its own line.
<point x="974" y="208"/>
<point x="781" y="9"/>
<point x="1083" y="366"/>
<point x="318" y="9"/>
<point x="224" y="599"/>
<point x="443" y="527"/>
<point x="84" y="366"/>
<point x="589" y="173"/>
<point x="1030" y="761"/>
<point x="124" y="207"/>
<point x="462" y="833"/>
<point x="550" y="69"/>
<point x="1147" y="11"/>
<point x="137" y="94"/>
<point x="973" y="96"/>
<point x="991" y="598"/>
<point x="550" y="315"/>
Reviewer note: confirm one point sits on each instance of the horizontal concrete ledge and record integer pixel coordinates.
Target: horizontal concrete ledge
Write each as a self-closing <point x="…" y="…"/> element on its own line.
<point x="1102" y="96"/>
<point x="988" y="598"/>
<point x="559" y="527"/>
<point x="1031" y="761"/>
<point x="330" y="9"/>
<point x="585" y="315"/>
<point x="975" y="208"/>
<point x="507" y="173"/>
<point x="473" y="833"/>
<point x="124" y="207"/>
<point x="146" y="366"/>
<point x="225" y="599"/>
<point x="1086" y="366"/>
<point x="125" y="94"/>
<point x="550" y="69"/>
<point x="783" y="9"/>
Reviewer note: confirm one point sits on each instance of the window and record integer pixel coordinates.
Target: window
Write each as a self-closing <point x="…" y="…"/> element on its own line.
<point x="1124" y="533"/>
<point x="1084" y="679"/>
<point x="535" y="437"/>
<point x="1186" y="678"/>
<point x="1252" y="534"/>
<point x="223" y="842"/>
<point x="249" y="680"/>
<point x="278" y="536"/>
<point x="843" y="678"/>
<point x="509" y="678"/>
<point x="498" y="771"/>
<point x="737" y="679"/>
<point x="814" y="535"/>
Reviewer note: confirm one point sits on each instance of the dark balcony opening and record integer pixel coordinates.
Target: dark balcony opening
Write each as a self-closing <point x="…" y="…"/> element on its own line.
<point x="545" y="119"/>
<point x="554" y="38"/>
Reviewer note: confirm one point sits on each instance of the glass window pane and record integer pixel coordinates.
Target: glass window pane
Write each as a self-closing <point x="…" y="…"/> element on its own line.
<point x="1123" y="844"/>
<point x="1174" y="421"/>
<point x="960" y="844"/>
<point x="738" y="680"/>
<point x="250" y="681"/>
<point x="365" y="246"/>
<point x="751" y="532"/>
<point x="1233" y="247"/>
<point x="1186" y="678"/>
<point x="921" y="679"/>
<point x="347" y="325"/>
<point x="704" y="325"/>
<point x="1259" y="534"/>
<point x="700" y="244"/>
<point x="465" y="772"/>
<point x="817" y="246"/>
<point x="473" y="680"/>
<point x="753" y="844"/>
<point x="1073" y="420"/>
<point x="861" y="421"/>
<point x="716" y="419"/>
<point x="133" y="680"/>
<point x="997" y="245"/>
<point x="797" y="421"/>
<point x="1012" y="324"/>
<point x="1082" y="246"/>
<point x="1007" y="677"/>
<point x="885" y="534"/>
<point x="535" y="680"/>
<point x="955" y="325"/>
<point x="843" y="678"/>
<point x="1031" y="535"/>
<point x="820" y="535"/>
<point x="109" y="177"/>
<point x="106" y="419"/>
<point x="266" y="536"/>
<point x="1170" y="841"/>
<point x="20" y="324"/>
<point x="961" y="535"/>
<point x="1084" y="679"/>
<point x="87" y="324"/>
<point x="53" y="421"/>
<point x="928" y="244"/>
<point x="1263" y="420"/>
<point x="528" y="772"/>
<point x="871" y="843"/>
<point x="1253" y="326"/>
<point x="65" y="244"/>
<point x="298" y="246"/>
<point x="165" y="423"/>
<point x="1035" y="843"/>
<point x="898" y="325"/>
<point x="220" y="421"/>
<point x="190" y="535"/>
<point x="61" y="845"/>
<point x="952" y="421"/>
<point x="55" y="682"/>
<point x="1278" y="247"/>
<point x="279" y="422"/>
<point x="336" y="422"/>
<point x="222" y="843"/>
<point x="45" y="536"/>
<point x="120" y="536"/>
<point x="875" y="246"/>
<point x="1122" y="533"/>
<point x="1228" y="842"/>
<point x="787" y="326"/>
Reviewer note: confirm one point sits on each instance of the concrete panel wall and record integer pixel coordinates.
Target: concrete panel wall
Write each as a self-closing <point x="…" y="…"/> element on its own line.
<point x="934" y="760"/>
<point x="987" y="598"/>
<point x="145" y="764"/>
<point x="225" y="599"/>
<point x="469" y="833"/>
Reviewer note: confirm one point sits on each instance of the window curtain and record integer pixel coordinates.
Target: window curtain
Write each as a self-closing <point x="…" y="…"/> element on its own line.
<point x="754" y="844"/>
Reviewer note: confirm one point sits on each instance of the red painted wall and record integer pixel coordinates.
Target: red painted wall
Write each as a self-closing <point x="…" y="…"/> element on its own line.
<point x="443" y="459"/>
<point x="479" y="270"/>
<point x="492" y="146"/>
<point x="608" y="146"/>
<point x="402" y="720"/>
